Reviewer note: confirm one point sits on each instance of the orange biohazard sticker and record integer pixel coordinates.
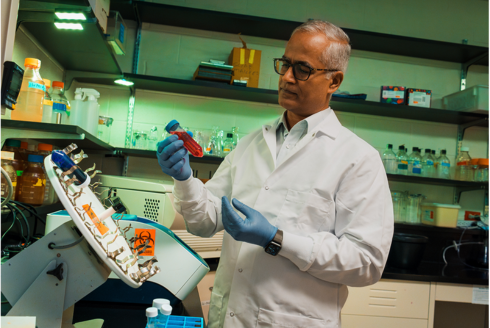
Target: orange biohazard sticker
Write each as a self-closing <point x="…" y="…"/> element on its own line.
<point x="90" y="212"/>
<point x="142" y="236"/>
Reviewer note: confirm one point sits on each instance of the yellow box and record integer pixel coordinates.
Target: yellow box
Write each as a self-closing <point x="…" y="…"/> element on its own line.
<point x="440" y="215"/>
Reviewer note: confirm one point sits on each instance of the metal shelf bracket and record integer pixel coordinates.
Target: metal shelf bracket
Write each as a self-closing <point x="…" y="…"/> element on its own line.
<point x="462" y="128"/>
<point x="459" y="190"/>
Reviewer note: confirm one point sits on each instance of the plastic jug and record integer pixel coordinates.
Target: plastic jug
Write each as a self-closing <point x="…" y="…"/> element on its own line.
<point x="29" y="105"/>
<point x="85" y="113"/>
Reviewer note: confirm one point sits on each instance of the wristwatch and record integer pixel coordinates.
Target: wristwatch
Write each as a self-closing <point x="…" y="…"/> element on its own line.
<point x="275" y="244"/>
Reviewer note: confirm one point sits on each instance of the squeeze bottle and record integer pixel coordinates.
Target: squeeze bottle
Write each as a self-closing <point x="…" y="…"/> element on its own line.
<point x="47" y="103"/>
<point x="77" y="112"/>
<point x="190" y="144"/>
<point x="29" y="105"/>
<point x="92" y="113"/>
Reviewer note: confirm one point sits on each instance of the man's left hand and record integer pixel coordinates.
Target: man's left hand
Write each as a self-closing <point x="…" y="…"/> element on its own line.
<point x="255" y="229"/>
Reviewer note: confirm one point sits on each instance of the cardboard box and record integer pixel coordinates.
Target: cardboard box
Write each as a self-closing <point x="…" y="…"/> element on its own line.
<point x="246" y="65"/>
<point x="419" y="97"/>
<point x="393" y="95"/>
<point x="101" y="11"/>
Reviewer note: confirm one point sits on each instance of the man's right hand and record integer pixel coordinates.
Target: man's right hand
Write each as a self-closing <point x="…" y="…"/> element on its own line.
<point x="174" y="158"/>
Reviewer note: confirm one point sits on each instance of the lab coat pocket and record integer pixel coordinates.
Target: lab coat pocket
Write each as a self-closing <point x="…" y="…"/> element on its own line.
<point x="270" y="319"/>
<point x="215" y="309"/>
<point x="305" y="213"/>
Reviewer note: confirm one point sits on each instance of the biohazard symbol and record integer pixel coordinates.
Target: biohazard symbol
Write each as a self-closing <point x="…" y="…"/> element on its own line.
<point x="144" y="241"/>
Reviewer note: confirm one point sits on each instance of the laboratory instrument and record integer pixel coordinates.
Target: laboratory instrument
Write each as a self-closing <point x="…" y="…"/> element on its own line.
<point x="11" y="83"/>
<point x="29" y="105"/>
<point x="190" y="144"/>
<point x="61" y="106"/>
<point x="47" y="103"/>
<point x="389" y="159"/>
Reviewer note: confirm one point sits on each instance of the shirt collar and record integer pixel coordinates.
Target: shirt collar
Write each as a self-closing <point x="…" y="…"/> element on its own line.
<point x="311" y="121"/>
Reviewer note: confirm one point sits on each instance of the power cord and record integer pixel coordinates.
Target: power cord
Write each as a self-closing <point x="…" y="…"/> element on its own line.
<point x="11" y="187"/>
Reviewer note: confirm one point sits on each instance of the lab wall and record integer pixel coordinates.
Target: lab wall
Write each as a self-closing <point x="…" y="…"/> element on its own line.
<point x="176" y="52"/>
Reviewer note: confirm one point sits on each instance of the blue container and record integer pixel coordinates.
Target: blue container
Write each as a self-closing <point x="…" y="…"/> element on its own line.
<point x="176" y="321"/>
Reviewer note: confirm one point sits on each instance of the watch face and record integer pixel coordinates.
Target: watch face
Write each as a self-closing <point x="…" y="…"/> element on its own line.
<point x="273" y="249"/>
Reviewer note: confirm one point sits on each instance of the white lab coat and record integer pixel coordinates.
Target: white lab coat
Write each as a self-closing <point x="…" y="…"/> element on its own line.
<point x="331" y="198"/>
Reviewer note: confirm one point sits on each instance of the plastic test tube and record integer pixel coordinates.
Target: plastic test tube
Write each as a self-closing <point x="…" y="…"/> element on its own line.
<point x="190" y="144"/>
<point x="65" y="163"/>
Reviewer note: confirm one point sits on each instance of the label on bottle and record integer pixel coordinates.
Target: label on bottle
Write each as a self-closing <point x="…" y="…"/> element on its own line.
<point x="428" y="216"/>
<point x="431" y="163"/>
<point x="402" y="166"/>
<point x="463" y="163"/>
<point x="19" y="173"/>
<point x="417" y="170"/>
<point x="48" y="102"/>
<point x="99" y="225"/>
<point x="59" y="106"/>
<point x="40" y="183"/>
<point x="39" y="86"/>
<point x="226" y="150"/>
<point x="446" y="164"/>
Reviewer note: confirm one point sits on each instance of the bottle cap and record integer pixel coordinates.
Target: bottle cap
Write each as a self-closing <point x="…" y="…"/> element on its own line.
<point x="229" y="135"/>
<point x="414" y="149"/>
<point x="443" y="152"/>
<point x="46" y="147"/>
<point x="474" y="161"/>
<point x="390" y="146"/>
<point x="32" y="62"/>
<point x="7" y="155"/>
<point x="47" y="83"/>
<point x="427" y="150"/>
<point x="23" y="145"/>
<point x="35" y="158"/>
<point x="166" y="309"/>
<point x="170" y="125"/>
<point x="158" y="302"/>
<point x="465" y="148"/>
<point x="401" y="147"/>
<point x="12" y="143"/>
<point x="151" y="312"/>
<point x="58" y="84"/>
<point x="481" y="161"/>
<point x="433" y="152"/>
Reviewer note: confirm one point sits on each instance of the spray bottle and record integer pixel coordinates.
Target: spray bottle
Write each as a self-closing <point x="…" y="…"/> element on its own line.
<point x="85" y="113"/>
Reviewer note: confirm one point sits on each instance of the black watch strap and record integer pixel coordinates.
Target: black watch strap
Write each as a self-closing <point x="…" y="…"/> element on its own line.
<point x="275" y="244"/>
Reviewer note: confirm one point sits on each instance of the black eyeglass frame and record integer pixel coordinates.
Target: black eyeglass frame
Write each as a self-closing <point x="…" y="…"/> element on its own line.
<point x="295" y="64"/>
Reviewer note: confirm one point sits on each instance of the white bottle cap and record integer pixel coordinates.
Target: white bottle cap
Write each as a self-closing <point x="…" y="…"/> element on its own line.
<point x="166" y="309"/>
<point x="465" y="148"/>
<point x="151" y="312"/>
<point x="158" y="302"/>
<point x="7" y="155"/>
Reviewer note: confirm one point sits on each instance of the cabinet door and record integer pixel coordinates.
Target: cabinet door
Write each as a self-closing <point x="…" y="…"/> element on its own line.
<point x="204" y="288"/>
<point x="390" y="298"/>
<point x="362" y="321"/>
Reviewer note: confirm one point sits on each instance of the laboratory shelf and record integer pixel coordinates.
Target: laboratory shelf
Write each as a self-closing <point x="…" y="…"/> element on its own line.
<point x="438" y="182"/>
<point x="59" y="135"/>
<point x="226" y="91"/>
<point x="217" y="21"/>
<point x="78" y="50"/>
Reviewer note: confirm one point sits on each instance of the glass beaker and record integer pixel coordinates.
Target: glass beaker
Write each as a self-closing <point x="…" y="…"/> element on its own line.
<point x="153" y="138"/>
<point x="398" y="202"/>
<point x="413" y="209"/>
<point x="104" y="128"/>
<point x="140" y="140"/>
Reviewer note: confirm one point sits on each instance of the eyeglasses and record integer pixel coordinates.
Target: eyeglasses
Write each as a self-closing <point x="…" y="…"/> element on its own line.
<point x="301" y="72"/>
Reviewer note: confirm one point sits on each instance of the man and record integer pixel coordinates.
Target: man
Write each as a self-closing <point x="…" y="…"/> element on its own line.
<point x="314" y="206"/>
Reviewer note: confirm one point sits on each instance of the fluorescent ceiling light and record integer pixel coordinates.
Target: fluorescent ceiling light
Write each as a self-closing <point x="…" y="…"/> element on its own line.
<point x="124" y="82"/>
<point x="69" y="26"/>
<point x="71" y="16"/>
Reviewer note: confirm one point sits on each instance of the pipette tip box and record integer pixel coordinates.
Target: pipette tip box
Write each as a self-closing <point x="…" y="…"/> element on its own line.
<point x="175" y="321"/>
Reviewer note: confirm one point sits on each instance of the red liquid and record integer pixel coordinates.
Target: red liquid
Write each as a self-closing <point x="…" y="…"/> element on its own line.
<point x="190" y="144"/>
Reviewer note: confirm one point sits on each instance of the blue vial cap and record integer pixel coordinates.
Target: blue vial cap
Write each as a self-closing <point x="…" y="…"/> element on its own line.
<point x="12" y="143"/>
<point x="35" y="158"/>
<point x="170" y="125"/>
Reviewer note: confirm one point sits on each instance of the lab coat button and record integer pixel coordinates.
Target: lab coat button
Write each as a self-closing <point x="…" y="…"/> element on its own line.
<point x="266" y="187"/>
<point x="288" y="146"/>
<point x="240" y="270"/>
<point x="232" y="314"/>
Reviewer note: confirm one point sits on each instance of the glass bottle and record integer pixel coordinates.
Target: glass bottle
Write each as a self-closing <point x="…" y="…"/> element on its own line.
<point x="33" y="182"/>
<point x="402" y="161"/>
<point x="7" y="158"/>
<point x="164" y="313"/>
<point x="389" y="159"/>
<point x="463" y="164"/>
<point x="236" y="137"/>
<point x="211" y="147"/>
<point x="49" y="193"/>
<point x="47" y="103"/>
<point x="151" y="317"/>
<point x="60" y="103"/>
<point x="428" y="164"/>
<point x="153" y="138"/>
<point x="228" y="144"/>
<point x="444" y="166"/>
<point x="20" y="157"/>
<point x="415" y="162"/>
<point x="29" y="105"/>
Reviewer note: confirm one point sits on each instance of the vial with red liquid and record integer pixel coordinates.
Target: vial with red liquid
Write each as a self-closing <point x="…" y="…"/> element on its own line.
<point x="190" y="144"/>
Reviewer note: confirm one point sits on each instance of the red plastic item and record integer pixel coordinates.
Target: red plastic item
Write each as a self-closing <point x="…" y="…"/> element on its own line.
<point x="190" y="144"/>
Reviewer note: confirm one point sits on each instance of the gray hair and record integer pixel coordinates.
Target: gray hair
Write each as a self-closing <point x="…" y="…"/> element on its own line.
<point x="337" y="54"/>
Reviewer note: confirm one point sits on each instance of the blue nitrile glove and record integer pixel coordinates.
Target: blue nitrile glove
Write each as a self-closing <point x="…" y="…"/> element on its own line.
<point x="174" y="158"/>
<point x="255" y="229"/>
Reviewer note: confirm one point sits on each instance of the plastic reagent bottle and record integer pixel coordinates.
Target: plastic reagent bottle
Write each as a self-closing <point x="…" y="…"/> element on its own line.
<point x="444" y="165"/>
<point x="389" y="159"/>
<point x="60" y="103"/>
<point x="190" y="144"/>
<point x="151" y="315"/>
<point x="33" y="181"/>
<point x="402" y="161"/>
<point x="158" y="303"/>
<point x="165" y="311"/>
<point x="415" y="161"/>
<point x="228" y="144"/>
<point x="29" y="105"/>
<point x="47" y="103"/>
<point x="428" y="164"/>
<point x="463" y="164"/>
